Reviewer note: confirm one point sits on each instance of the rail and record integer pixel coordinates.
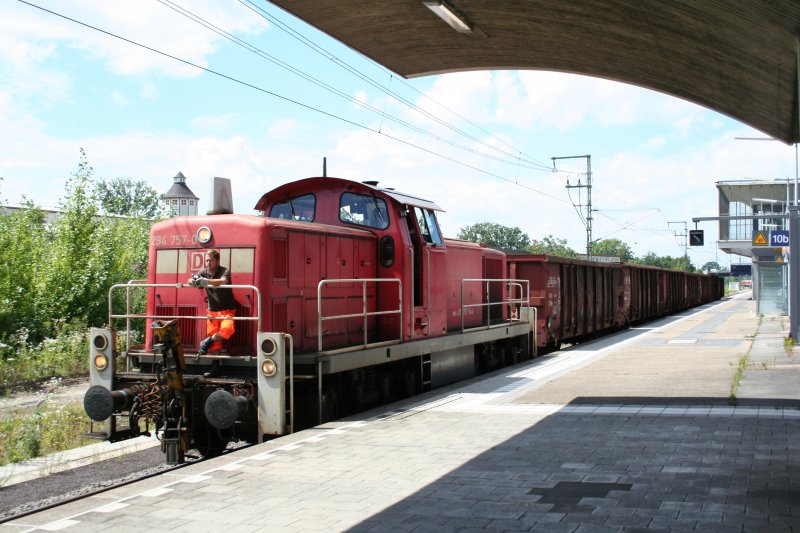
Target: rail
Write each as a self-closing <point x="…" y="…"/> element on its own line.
<point x="365" y="314"/>
<point x="510" y="300"/>
<point x="142" y="284"/>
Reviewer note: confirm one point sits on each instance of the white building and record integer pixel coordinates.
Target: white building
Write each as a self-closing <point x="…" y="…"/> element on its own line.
<point x="179" y="199"/>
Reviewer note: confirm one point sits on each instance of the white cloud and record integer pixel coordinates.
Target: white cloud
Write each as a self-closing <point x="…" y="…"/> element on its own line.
<point x="655" y="142"/>
<point x="217" y="124"/>
<point x="456" y="97"/>
<point x="526" y="99"/>
<point x="360" y="97"/>
<point x="286" y="129"/>
<point x="149" y="91"/>
<point x="30" y="35"/>
<point x="119" y="99"/>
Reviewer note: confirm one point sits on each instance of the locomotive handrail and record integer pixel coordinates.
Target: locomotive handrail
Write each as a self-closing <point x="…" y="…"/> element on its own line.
<point x="139" y="284"/>
<point x="525" y="298"/>
<point x="364" y="313"/>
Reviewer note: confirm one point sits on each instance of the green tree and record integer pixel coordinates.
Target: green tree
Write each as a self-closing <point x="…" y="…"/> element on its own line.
<point x="682" y="263"/>
<point x="23" y="240"/>
<point x="552" y="246"/>
<point x="711" y="265"/>
<point x="666" y="261"/>
<point x="614" y="248"/>
<point x="58" y="274"/>
<point x="74" y="274"/>
<point x="496" y="236"/>
<point x="129" y="198"/>
<point x="55" y="278"/>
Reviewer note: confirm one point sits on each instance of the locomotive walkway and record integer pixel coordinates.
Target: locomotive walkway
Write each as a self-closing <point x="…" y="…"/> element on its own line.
<point x="645" y="430"/>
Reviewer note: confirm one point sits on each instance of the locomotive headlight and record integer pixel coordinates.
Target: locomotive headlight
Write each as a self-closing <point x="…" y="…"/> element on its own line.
<point x="100" y="361"/>
<point x="269" y="368"/>
<point x="268" y="347"/>
<point x="100" y="342"/>
<point x="204" y="234"/>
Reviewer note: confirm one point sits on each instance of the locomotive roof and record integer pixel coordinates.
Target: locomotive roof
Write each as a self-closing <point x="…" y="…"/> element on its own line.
<point x="310" y="184"/>
<point x="407" y="198"/>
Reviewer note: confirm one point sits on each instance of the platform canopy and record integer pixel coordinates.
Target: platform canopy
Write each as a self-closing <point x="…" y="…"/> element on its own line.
<point x="737" y="57"/>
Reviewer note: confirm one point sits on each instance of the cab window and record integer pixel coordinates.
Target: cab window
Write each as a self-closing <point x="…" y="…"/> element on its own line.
<point x="426" y="219"/>
<point x="297" y="208"/>
<point x="364" y="210"/>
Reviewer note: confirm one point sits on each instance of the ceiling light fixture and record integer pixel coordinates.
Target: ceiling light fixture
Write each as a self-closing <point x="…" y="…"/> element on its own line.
<point x="450" y="15"/>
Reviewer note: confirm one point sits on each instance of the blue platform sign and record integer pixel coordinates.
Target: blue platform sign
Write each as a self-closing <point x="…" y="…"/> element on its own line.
<point x="778" y="238"/>
<point x="742" y="270"/>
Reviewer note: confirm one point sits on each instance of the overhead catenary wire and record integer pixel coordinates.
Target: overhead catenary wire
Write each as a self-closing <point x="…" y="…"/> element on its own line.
<point x="627" y="225"/>
<point x="518" y="157"/>
<point x="576" y="206"/>
<point x="290" y="100"/>
<point x="325" y="53"/>
<point x="333" y="90"/>
<point x="520" y="160"/>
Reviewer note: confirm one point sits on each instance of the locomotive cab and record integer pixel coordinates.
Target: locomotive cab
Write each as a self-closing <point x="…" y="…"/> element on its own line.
<point x="409" y="245"/>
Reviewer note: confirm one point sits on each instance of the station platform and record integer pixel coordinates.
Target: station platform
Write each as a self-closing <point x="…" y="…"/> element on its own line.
<point x="691" y="423"/>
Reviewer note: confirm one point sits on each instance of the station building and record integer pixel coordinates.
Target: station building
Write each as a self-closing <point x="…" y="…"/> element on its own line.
<point x="754" y="224"/>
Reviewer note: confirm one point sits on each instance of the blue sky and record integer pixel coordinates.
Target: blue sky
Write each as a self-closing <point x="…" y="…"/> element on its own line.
<point x="483" y="150"/>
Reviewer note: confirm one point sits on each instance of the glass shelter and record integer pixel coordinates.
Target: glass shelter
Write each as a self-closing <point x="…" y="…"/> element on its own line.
<point x="756" y="229"/>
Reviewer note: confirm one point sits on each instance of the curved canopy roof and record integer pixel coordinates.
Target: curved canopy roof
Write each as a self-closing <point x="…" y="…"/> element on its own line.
<point x="737" y="57"/>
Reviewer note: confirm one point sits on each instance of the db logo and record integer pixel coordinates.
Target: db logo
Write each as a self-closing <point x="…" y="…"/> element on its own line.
<point x="197" y="261"/>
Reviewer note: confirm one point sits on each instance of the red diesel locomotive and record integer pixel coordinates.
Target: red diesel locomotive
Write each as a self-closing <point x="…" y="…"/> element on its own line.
<point x="348" y="296"/>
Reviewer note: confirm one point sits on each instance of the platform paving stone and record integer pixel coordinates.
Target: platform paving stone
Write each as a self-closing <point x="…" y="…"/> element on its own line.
<point x="544" y="446"/>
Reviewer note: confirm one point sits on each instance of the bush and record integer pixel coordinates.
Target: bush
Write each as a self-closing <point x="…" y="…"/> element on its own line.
<point x="44" y="431"/>
<point x="53" y="274"/>
<point x="23" y="364"/>
<point x="54" y="278"/>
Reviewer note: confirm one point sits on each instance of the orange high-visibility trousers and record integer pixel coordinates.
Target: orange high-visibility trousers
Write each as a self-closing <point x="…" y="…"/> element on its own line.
<point x="216" y="323"/>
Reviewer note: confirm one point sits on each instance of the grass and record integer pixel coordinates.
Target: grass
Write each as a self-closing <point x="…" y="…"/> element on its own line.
<point x="737" y="377"/>
<point x="50" y="427"/>
<point x="43" y="431"/>
<point x="742" y="365"/>
<point x="24" y="364"/>
<point x="788" y="344"/>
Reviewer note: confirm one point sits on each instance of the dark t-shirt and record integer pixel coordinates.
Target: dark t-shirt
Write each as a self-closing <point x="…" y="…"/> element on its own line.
<point x="219" y="298"/>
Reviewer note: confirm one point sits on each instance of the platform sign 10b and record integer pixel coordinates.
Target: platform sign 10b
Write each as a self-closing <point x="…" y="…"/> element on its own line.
<point x="779" y="238"/>
<point x="695" y="237"/>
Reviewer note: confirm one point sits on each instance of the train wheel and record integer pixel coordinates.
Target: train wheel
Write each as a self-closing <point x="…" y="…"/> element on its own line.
<point x="209" y="443"/>
<point x="510" y="354"/>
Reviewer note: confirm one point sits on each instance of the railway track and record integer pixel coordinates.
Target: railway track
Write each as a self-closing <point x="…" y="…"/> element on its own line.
<point x="49" y="491"/>
<point x="22" y="499"/>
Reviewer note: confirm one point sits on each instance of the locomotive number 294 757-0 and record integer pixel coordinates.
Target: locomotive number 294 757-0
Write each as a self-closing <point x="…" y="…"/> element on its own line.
<point x="172" y="240"/>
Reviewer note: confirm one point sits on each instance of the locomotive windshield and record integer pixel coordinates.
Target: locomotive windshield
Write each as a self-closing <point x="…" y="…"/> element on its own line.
<point x="428" y="226"/>
<point x="298" y="208"/>
<point x="363" y="210"/>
